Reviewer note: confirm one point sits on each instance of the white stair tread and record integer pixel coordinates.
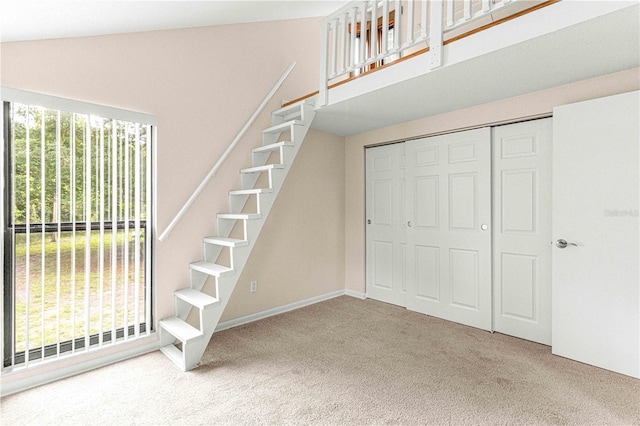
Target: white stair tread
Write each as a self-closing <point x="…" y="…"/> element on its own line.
<point x="250" y="191"/>
<point x="279" y="128"/>
<point x="289" y="109"/>
<point x="257" y="169"/>
<point x="196" y="298"/>
<point x="211" y="268"/>
<point x="273" y="146"/>
<point x="239" y="216"/>
<point x="174" y="354"/>
<point x="227" y="242"/>
<point x="294" y="108"/>
<point x="180" y="329"/>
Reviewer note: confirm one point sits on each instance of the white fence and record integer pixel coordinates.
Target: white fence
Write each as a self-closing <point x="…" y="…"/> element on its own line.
<point x="392" y="29"/>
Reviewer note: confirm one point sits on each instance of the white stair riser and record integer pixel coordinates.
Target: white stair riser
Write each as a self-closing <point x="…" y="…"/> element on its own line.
<point x="225" y="227"/>
<point x="248" y="180"/>
<point x="237" y="202"/>
<point x="197" y="279"/>
<point x="269" y="138"/>
<point x="261" y="158"/>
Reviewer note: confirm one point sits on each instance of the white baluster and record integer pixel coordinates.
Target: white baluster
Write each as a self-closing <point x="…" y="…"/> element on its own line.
<point x="324" y="65"/>
<point x="363" y="33"/>
<point x="385" y="28"/>
<point x="334" y="53"/>
<point x="397" y="26"/>
<point x="424" y="22"/>
<point x="343" y="42"/>
<point x="374" y="28"/>
<point x="450" y="13"/>
<point x="411" y="9"/>
<point x="353" y="39"/>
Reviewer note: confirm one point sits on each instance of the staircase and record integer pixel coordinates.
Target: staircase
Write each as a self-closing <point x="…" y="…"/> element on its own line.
<point x="226" y="254"/>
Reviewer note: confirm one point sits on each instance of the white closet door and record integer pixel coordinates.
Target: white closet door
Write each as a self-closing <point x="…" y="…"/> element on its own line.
<point x="448" y="184"/>
<point x="596" y="195"/>
<point x="522" y="230"/>
<point x="385" y="234"/>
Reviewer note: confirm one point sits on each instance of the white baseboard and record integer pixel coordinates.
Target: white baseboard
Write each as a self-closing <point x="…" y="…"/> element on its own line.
<point x="355" y="294"/>
<point x="66" y="366"/>
<point x="278" y="310"/>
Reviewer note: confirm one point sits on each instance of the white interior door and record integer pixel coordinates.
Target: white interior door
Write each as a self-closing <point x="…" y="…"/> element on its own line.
<point x="448" y="191"/>
<point x="522" y="230"/>
<point x="385" y="234"/>
<point x="596" y="282"/>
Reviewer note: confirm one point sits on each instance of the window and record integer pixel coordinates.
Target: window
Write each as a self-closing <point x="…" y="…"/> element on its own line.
<point x="77" y="226"/>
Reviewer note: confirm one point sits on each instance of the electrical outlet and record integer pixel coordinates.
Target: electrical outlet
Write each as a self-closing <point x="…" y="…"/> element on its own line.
<point x="254" y="286"/>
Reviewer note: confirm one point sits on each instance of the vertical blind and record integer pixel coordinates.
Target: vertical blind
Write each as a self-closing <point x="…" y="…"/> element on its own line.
<point x="78" y="228"/>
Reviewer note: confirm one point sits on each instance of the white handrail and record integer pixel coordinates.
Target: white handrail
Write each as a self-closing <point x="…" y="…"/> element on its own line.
<point x="224" y="156"/>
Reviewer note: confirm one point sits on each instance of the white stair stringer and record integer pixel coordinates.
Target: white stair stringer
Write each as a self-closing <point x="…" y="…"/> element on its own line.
<point x="283" y="140"/>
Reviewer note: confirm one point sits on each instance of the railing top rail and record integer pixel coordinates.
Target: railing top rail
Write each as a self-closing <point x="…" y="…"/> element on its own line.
<point x="224" y="156"/>
<point x="344" y="9"/>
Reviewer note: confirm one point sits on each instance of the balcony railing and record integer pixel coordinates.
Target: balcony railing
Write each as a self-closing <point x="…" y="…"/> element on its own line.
<point x="365" y="35"/>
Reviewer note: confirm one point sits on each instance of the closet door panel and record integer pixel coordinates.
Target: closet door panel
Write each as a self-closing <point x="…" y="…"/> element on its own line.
<point x="522" y="229"/>
<point x="385" y="245"/>
<point x="448" y="235"/>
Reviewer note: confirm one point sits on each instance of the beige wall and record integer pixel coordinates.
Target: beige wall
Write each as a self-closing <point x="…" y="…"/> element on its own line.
<point x="505" y="110"/>
<point x="300" y="252"/>
<point x="203" y="84"/>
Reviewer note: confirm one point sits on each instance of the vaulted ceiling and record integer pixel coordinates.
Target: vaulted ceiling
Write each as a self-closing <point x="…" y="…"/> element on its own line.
<point x="45" y="19"/>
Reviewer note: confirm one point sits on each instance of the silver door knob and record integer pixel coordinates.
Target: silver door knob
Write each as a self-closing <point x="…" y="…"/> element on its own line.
<point x="563" y="243"/>
<point x="409" y="224"/>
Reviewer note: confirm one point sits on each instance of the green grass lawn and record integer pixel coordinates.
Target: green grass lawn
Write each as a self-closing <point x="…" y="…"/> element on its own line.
<point x="60" y="300"/>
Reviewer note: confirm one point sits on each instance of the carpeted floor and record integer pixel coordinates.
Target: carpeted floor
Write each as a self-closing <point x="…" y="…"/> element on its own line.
<point x="343" y="361"/>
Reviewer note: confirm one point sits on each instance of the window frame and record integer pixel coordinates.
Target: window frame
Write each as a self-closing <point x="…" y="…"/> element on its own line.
<point x="11" y="95"/>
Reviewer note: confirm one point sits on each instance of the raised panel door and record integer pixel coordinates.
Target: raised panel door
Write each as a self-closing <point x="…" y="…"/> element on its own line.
<point x="385" y="240"/>
<point x="448" y="236"/>
<point x="522" y="229"/>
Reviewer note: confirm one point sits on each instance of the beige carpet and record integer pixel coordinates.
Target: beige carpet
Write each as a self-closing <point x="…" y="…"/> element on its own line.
<point x="344" y="361"/>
